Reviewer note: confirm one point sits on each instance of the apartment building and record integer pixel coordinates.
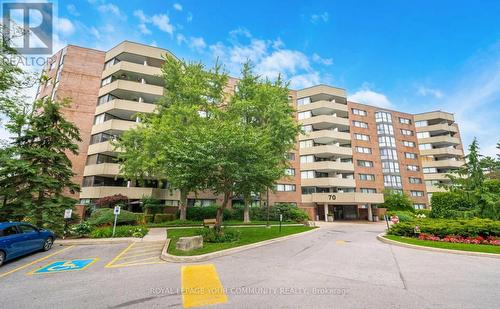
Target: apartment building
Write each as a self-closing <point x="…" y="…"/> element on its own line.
<point x="346" y="156"/>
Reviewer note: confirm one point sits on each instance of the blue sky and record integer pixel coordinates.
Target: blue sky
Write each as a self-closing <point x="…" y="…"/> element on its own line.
<point x="409" y="55"/>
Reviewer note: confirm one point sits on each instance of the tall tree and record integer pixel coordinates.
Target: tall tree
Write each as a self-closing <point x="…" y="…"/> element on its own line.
<point x="42" y="173"/>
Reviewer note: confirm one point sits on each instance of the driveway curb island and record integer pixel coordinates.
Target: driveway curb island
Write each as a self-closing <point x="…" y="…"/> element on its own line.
<point x="381" y="238"/>
<point x="203" y="257"/>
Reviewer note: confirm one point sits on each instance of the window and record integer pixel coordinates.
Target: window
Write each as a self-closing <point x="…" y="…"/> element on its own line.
<point x="431" y="183"/>
<point x="285" y="188"/>
<point x="106" y="81"/>
<point x="419" y="206"/>
<point x="200" y="202"/>
<point x="27" y="228"/>
<point x="410" y="155"/>
<point x="307" y="128"/>
<point x="363" y="150"/>
<point x="387" y="129"/>
<point x="364" y="163"/>
<point x="290" y="171"/>
<point x="429" y="170"/>
<point x="388" y="154"/>
<point x="383" y="117"/>
<point x="413" y="168"/>
<point x="101" y="137"/>
<point x="359" y="112"/>
<point x="307" y="174"/>
<point x="392" y="181"/>
<point x="105" y="98"/>
<point x="290" y="156"/>
<point x="406" y="132"/>
<point x="417" y="193"/>
<point x="303" y="101"/>
<point x="11" y="230"/>
<point x="408" y="144"/>
<point x="171" y="203"/>
<point x="369" y="177"/>
<point x="306" y="144"/>
<point x="362" y="137"/>
<point x="308" y="190"/>
<point x="110" y="63"/>
<point x="305" y="115"/>
<point x="422" y="123"/>
<point x="307" y="159"/>
<point x="404" y="120"/>
<point x="423" y="134"/>
<point x="425" y="146"/>
<point x="415" y="180"/>
<point x="360" y="124"/>
<point x="390" y="167"/>
<point x="386" y="141"/>
<point x="368" y="190"/>
<point x="100" y="118"/>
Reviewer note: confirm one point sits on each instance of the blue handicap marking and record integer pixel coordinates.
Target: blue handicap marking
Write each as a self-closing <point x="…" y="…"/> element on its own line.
<point x="69" y="265"/>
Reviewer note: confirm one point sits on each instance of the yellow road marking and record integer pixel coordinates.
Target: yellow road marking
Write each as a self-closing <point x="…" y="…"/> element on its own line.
<point x="34" y="262"/>
<point x="144" y="253"/>
<point x="61" y="271"/>
<point x="110" y="264"/>
<point x="340" y="242"/>
<point x="201" y="286"/>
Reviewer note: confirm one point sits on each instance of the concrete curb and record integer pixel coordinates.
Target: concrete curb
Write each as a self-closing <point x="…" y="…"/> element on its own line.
<point x="203" y="257"/>
<point x="97" y="241"/>
<point x="381" y="238"/>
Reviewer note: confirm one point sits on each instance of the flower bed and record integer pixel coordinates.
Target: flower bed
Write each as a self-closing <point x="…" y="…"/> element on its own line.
<point x="443" y="227"/>
<point x="477" y="240"/>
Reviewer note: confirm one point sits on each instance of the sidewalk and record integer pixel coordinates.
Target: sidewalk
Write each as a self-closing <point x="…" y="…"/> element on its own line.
<point x="156" y="234"/>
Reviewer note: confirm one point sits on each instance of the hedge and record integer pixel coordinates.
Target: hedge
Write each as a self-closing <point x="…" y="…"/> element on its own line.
<point x="121" y="231"/>
<point x="160" y="218"/>
<point x="290" y="213"/>
<point x="451" y="205"/>
<point x="105" y="216"/>
<point x="443" y="227"/>
<point x="143" y="218"/>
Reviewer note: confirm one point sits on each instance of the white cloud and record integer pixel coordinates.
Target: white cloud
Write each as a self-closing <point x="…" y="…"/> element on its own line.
<point x="370" y="97"/>
<point x="425" y="91"/>
<point x="144" y="29"/>
<point x="72" y="10"/>
<point x="322" y="17"/>
<point x="197" y="43"/>
<point x="161" y="21"/>
<point x="180" y="39"/>
<point x="318" y="59"/>
<point x="305" y="80"/>
<point x="177" y="7"/>
<point x="112" y="9"/>
<point x="64" y="26"/>
<point x="281" y="61"/>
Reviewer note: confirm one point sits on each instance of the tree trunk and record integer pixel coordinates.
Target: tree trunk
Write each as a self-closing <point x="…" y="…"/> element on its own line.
<point x="220" y="210"/>
<point x="246" y="210"/>
<point x="183" y="205"/>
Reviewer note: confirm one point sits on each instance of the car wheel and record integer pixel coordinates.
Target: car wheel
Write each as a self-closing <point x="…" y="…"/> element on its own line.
<point x="2" y="257"/>
<point x="48" y="244"/>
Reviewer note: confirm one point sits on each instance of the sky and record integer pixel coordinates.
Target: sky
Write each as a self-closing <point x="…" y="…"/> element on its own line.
<point x="413" y="56"/>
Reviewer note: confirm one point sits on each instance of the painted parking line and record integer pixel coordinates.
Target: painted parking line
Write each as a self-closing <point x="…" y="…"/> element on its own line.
<point x="138" y="254"/>
<point x="201" y="286"/>
<point x="34" y="262"/>
<point x="64" y="266"/>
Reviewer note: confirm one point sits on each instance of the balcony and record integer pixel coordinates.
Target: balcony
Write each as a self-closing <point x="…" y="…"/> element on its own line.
<point x="131" y="86"/>
<point x="327" y="166"/>
<point x="436" y="176"/>
<point x="434" y="115"/>
<point x="326" y="136"/>
<point x="443" y="163"/>
<point x="349" y="198"/>
<point x="104" y="148"/>
<point x="132" y="67"/>
<point x="329" y="182"/>
<point x="442" y="152"/>
<point x="327" y="151"/>
<point x="114" y="125"/>
<point x="444" y="140"/>
<point x="131" y="193"/>
<point x="432" y="189"/>
<point x="103" y="169"/>
<point x="136" y="49"/>
<point x="321" y="89"/>
<point x="125" y="105"/>
<point x="441" y="128"/>
<point x="325" y="121"/>
<point x="324" y="107"/>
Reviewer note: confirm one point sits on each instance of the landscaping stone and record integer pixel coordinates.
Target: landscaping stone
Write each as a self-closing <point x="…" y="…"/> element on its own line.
<point x="189" y="243"/>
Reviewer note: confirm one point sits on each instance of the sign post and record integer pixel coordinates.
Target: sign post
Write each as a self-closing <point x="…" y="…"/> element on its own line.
<point x="281" y="219"/>
<point x="116" y="211"/>
<point x="67" y="217"/>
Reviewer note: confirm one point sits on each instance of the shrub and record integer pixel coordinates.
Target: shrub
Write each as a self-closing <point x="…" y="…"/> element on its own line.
<point x="82" y="229"/>
<point x="121" y="231"/>
<point x="218" y="236"/>
<point x="298" y="215"/>
<point x="425" y="212"/>
<point x="394" y="201"/>
<point x="443" y="227"/>
<point x="151" y="205"/>
<point x="143" y="218"/>
<point x="450" y="205"/>
<point x="402" y="215"/>
<point x="160" y="218"/>
<point x="105" y="216"/>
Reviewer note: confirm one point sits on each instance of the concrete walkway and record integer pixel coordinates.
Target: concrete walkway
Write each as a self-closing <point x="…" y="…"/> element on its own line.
<point x="156" y="234"/>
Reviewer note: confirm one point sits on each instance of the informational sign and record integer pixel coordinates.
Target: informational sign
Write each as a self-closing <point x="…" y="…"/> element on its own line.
<point x="68" y="213"/>
<point x="69" y="265"/>
<point x="117" y="210"/>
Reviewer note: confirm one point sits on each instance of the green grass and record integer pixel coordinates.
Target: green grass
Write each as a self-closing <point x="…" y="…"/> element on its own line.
<point x="249" y="235"/>
<point x="446" y="245"/>
<point x="200" y="223"/>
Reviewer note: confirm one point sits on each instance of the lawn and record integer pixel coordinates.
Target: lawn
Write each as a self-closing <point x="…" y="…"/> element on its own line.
<point x="249" y="235"/>
<point x="200" y="223"/>
<point x="446" y="245"/>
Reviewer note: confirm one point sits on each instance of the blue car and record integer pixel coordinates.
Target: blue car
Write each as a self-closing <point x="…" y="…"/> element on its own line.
<point x="19" y="238"/>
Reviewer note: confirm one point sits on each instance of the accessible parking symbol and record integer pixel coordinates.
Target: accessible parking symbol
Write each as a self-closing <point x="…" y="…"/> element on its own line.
<point x="62" y="266"/>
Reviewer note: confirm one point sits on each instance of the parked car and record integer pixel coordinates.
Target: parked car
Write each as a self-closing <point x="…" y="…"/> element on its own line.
<point x="19" y="238"/>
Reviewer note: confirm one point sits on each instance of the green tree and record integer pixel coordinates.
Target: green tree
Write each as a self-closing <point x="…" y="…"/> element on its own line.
<point x="394" y="200"/>
<point x="37" y="172"/>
